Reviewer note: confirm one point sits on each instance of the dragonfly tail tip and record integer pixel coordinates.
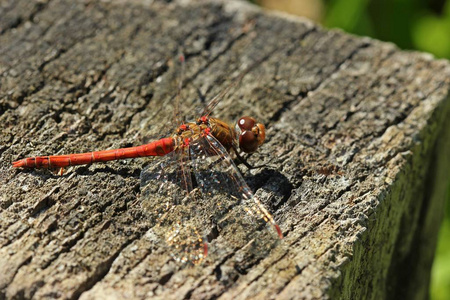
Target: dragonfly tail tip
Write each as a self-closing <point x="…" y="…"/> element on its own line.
<point x="18" y="164"/>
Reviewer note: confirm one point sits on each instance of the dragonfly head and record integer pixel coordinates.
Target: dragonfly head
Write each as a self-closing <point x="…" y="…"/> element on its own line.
<point x="251" y="134"/>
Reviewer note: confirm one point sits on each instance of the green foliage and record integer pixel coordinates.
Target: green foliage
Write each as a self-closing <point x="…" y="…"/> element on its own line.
<point x="349" y="15"/>
<point x="411" y="24"/>
<point x="440" y="276"/>
<point x="432" y="34"/>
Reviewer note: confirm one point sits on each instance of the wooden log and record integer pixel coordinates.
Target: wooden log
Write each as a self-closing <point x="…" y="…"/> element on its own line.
<point x="357" y="160"/>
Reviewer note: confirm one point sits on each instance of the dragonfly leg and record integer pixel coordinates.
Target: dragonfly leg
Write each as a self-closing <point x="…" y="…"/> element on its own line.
<point x="57" y="171"/>
<point x="244" y="161"/>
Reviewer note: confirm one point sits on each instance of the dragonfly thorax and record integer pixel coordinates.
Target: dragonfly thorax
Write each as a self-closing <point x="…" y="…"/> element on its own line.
<point x="220" y="130"/>
<point x="248" y="135"/>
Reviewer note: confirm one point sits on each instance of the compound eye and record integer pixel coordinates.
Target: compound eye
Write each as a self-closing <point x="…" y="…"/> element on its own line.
<point x="246" y="123"/>
<point x="248" y="142"/>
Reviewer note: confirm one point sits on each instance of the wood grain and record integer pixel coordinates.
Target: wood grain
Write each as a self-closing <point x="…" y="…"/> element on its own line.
<point x="357" y="160"/>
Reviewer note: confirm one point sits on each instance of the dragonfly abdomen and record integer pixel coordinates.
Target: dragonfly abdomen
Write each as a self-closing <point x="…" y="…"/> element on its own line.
<point x="156" y="148"/>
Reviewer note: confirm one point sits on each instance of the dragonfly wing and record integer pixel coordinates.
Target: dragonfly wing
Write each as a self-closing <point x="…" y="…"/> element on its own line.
<point x="232" y="208"/>
<point x="220" y="209"/>
<point x="218" y="97"/>
<point x="178" y="118"/>
<point x="167" y="194"/>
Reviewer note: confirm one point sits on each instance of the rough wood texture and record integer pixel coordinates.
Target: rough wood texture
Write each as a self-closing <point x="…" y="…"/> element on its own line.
<point x="357" y="150"/>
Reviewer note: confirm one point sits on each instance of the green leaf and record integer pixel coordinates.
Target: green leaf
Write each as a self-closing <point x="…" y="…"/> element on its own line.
<point x="432" y="34"/>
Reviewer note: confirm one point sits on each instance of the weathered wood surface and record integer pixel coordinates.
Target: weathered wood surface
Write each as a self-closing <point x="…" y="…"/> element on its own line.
<point x="357" y="150"/>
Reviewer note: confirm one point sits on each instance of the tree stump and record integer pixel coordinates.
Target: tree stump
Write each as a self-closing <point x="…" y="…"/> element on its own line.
<point x="356" y="163"/>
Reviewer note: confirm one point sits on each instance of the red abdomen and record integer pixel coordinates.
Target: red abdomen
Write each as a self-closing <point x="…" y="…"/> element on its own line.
<point x="156" y="148"/>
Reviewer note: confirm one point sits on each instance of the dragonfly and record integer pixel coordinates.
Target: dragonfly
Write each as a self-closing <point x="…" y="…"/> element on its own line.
<point x="201" y="185"/>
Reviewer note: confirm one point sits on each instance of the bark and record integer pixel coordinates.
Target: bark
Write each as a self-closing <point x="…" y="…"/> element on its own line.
<point x="356" y="158"/>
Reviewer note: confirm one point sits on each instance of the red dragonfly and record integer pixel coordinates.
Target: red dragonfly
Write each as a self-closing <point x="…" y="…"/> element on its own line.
<point x="197" y="178"/>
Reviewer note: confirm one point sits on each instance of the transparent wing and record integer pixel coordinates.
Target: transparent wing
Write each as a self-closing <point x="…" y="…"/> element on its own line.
<point x="167" y="194"/>
<point x="199" y="202"/>
<point x="164" y="117"/>
<point x="237" y="219"/>
<point x="178" y="118"/>
<point x="217" y="98"/>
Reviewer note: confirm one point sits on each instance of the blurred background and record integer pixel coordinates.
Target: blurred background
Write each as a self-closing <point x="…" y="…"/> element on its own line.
<point x="422" y="25"/>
